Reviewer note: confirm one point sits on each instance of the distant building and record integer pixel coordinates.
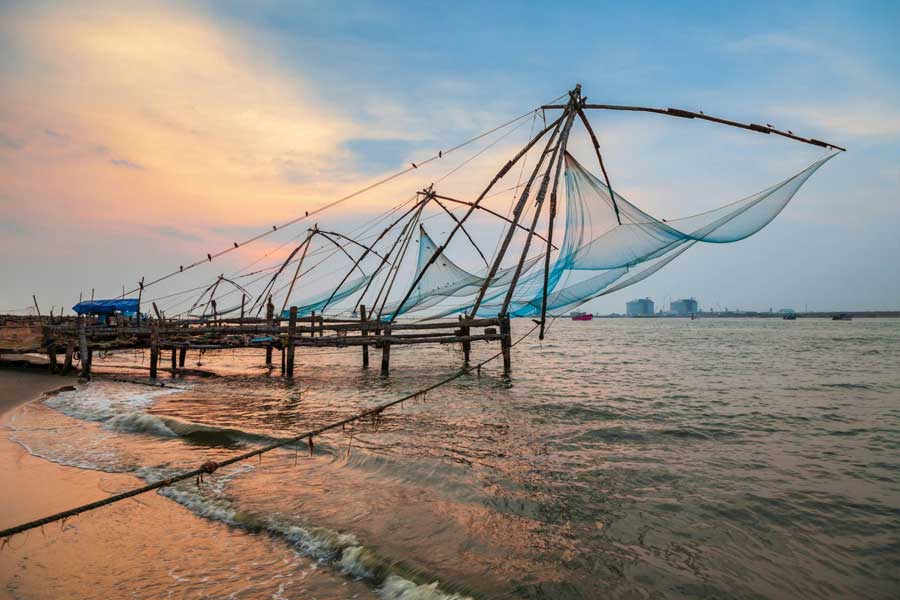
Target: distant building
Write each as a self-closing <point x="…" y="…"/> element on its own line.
<point x="642" y="307"/>
<point x="685" y="306"/>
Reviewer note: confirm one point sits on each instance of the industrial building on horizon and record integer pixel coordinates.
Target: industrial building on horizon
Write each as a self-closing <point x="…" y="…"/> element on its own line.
<point x="685" y="306"/>
<point x="642" y="307"/>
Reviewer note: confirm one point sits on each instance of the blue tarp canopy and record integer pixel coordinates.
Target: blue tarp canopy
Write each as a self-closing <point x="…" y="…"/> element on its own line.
<point x="126" y="306"/>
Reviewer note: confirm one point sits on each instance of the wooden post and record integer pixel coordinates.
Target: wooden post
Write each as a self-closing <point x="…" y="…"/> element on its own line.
<point x="154" y="348"/>
<point x="282" y="351"/>
<point x="67" y="363"/>
<point x="322" y="323"/>
<point x="174" y="363"/>
<point x="292" y="328"/>
<point x="270" y="313"/>
<point x="466" y="346"/>
<point x="365" y="333"/>
<point x="505" y="344"/>
<point x="312" y="323"/>
<point x="51" y="357"/>
<point x="83" y="348"/>
<point x="386" y="354"/>
<point x="182" y="356"/>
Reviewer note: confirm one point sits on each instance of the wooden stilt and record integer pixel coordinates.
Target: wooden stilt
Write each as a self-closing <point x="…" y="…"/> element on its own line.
<point x="386" y="355"/>
<point x="505" y="344"/>
<point x="67" y="363"/>
<point x="182" y="356"/>
<point x="365" y="348"/>
<point x="174" y="362"/>
<point x="51" y="357"/>
<point x="270" y="313"/>
<point x="292" y="328"/>
<point x="154" y="348"/>
<point x="83" y="348"/>
<point x="467" y="345"/>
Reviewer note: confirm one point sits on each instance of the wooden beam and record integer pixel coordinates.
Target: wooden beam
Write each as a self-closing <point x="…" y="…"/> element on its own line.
<point x="688" y="114"/>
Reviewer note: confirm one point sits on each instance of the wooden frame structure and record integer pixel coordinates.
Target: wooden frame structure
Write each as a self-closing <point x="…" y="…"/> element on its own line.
<point x="375" y="327"/>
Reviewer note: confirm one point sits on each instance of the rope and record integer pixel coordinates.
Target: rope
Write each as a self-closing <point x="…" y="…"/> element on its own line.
<point x="209" y="257"/>
<point x="212" y="466"/>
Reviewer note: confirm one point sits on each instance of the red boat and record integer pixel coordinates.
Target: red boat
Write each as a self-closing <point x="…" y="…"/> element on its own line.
<point x="582" y="316"/>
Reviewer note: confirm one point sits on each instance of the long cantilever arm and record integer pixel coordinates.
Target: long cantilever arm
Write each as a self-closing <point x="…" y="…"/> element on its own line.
<point x="689" y="114"/>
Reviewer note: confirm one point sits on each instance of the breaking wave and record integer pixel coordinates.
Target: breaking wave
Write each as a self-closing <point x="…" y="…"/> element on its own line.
<point x="341" y="551"/>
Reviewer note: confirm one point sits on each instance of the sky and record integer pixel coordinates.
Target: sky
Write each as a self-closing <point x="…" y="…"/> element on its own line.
<point x="136" y="137"/>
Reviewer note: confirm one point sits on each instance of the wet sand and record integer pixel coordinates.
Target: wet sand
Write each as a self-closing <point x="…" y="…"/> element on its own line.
<point x="19" y="387"/>
<point x="90" y="555"/>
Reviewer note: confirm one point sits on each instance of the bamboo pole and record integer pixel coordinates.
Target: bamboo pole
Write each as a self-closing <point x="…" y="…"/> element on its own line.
<point x="517" y="215"/>
<point x="551" y="217"/>
<point x="500" y="174"/>
<point x="539" y="202"/>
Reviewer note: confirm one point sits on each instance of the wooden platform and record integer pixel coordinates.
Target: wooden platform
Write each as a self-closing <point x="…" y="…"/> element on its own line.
<point x="76" y="338"/>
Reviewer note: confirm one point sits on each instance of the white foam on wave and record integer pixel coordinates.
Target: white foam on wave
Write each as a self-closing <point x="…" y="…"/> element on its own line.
<point x="398" y="588"/>
<point x="341" y="550"/>
<point x="100" y="400"/>
<point x="139" y="422"/>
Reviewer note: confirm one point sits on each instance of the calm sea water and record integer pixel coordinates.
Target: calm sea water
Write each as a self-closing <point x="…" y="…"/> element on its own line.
<point x="629" y="459"/>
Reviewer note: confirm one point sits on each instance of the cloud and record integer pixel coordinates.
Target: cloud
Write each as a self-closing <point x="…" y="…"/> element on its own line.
<point x="224" y="131"/>
<point x="121" y="162"/>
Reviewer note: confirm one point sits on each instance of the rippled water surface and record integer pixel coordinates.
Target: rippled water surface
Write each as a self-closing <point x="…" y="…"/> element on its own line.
<point x="629" y="459"/>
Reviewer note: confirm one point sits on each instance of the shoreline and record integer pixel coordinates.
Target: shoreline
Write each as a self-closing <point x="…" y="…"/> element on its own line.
<point x="19" y="387"/>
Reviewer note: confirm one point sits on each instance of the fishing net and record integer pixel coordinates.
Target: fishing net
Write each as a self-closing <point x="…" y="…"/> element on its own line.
<point x="621" y="254"/>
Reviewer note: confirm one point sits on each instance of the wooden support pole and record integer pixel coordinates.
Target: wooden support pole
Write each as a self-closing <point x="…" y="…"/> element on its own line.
<point x="312" y="323"/>
<point x="182" y="356"/>
<point x="83" y="348"/>
<point x="514" y="223"/>
<point x="467" y="345"/>
<point x="154" y="348"/>
<point x="386" y="354"/>
<point x="292" y="328"/>
<point x="365" y="333"/>
<point x="506" y="345"/>
<point x="270" y="313"/>
<point x="53" y="365"/>
<point x="563" y="141"/>
<point x="67" y="363"/>
<point x="174" y="362"/>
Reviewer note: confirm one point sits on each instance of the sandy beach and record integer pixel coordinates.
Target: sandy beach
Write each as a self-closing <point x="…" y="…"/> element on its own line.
<point x="118" y="551"/>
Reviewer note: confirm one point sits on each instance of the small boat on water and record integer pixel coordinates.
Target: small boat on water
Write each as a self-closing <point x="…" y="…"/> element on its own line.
<point x="842" y="317"/>
<point x="581" y="316"/>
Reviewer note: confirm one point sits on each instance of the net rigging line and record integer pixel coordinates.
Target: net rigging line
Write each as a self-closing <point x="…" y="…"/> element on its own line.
<point x="365" y="227"/>
<point x="210" y="467"/>
<point x="413" y="166"/>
